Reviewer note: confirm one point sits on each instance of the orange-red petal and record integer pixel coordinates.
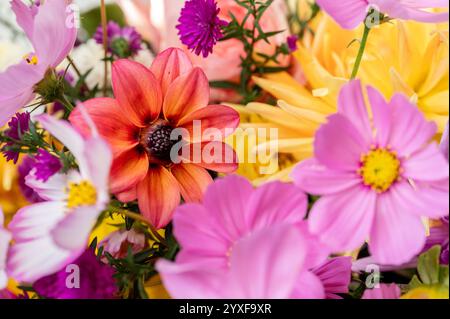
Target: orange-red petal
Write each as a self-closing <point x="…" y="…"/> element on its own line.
<point x="193" y="181"/>
<point x="111" y="123"/>
<point x="217" y="122"/>
<point x="128" y="196"/>
<point x="137" y="92"/>
<point x="169" y="65"/>
<point x="213" y="155"/>
<point x="158" y="196"/>
<point x="186" y="94"/>
<point x="128" y="169"/>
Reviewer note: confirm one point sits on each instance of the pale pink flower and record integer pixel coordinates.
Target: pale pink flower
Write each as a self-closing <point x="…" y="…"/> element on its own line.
<point x="5" y="238"/>
<point x="377" y="177"/>
<point x="243" y="242"/>
<point x="51" y="30"/>
<point x="350" y="13"/>
<point x="118" y="242"/>
<point x="51" y="234"/>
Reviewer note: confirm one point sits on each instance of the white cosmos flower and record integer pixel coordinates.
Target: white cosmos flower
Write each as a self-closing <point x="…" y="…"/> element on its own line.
<point x="5" y="238"/>
<point x="49" y="235"/>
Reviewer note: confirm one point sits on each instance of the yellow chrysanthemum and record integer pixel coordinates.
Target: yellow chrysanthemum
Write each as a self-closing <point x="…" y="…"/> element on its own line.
<point x="427" y="292"/>
<point x="11" y="198"/>
<point x="394" y="61"/>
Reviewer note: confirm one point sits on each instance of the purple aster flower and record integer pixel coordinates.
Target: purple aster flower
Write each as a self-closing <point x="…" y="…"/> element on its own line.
<point x="200" y="26"/>
<point x="18" y="126"/>
<point x="439" y="236"/>
<point x="46" y="165"/>
<point x="93" y="281"/>
<point x="24" y="169"/>
<point x="292" y="43"/>
<point x="123" y="42"/>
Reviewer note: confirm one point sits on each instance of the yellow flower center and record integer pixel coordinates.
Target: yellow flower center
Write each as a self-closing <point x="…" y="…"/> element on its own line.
<point x="380" y="168"/>
<point x="31" y="59"/>
<point x="81" y="194"/>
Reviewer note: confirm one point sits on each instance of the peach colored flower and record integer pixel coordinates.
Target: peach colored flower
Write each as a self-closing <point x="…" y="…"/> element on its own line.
<point x="139" y="124"/>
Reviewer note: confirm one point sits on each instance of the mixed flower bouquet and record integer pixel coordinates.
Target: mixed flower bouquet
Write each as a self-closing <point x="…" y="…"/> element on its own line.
<point x="224" y="149"/>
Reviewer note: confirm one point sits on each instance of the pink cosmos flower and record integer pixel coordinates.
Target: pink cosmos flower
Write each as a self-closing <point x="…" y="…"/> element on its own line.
<point x="243" y="242"/>
<point x="49" y="235"/>
<point x="5" y="238"/>
<point x="384" y="291"/>
<point x="49" y="27"/>
<point x="350" y="13"/>
<point x="377" y="176"/>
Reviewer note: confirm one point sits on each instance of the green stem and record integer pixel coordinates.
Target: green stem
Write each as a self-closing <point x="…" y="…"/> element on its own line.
<point x="140" y="218"/>
<point x="63" y="100"/>
<point x="362" y="47"/>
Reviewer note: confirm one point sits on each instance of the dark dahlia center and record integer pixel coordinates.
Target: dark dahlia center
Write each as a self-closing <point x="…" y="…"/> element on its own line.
<point x="158" y="142"/>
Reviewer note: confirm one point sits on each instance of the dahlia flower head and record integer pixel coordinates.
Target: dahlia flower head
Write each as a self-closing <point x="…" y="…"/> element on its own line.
<point x="241" y="242"/>
<point x="150" y="105"/>
<point x="52" y="32"/>
<point x="350" y="13"/>
<point x="55" y="232"/>
<point x="377" y="176"/>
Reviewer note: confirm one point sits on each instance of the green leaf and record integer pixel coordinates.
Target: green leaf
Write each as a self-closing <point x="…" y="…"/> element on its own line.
<point x="428" y="266"/>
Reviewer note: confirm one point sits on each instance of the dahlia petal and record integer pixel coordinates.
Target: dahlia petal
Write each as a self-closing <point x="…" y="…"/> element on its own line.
<point x="111" y="122"/>
<point x="396" y="235"/>
<point x="72" y="232"/>
<point x="351" y="104"/>
<point x="276" y="202"/>
<point x="127" y="196"/>
<point x="137" y="91"/>
<point x="213" y="155"/>
<point x="158" y="196"/>
<point x="382" y="117"/>
<point x="199" y="241"/>
<point x="188" y="93"/>
<point x="308" y="286"/>
<point x="335" y="274"/>
<point x="338" y="144"/>
<point x="128" y="169"/>
<point x="215" y="123"/>
<point x="384" y="291"/>
<point x="35" y="221"/>
<point x="428" y="164"/>
<point x="169" y="65"/>
<point x="411" y="130"/>
<point x="347" y="13"/>
<point x="231" y="214"/>
<point x="314" y="178"/>
<point x="193" y="181"/>
<point x="344" y="220"/>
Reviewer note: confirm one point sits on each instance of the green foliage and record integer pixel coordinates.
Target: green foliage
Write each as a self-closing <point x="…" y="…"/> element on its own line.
<point x="429" y="271"/>
<point x="92" y="19"/>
